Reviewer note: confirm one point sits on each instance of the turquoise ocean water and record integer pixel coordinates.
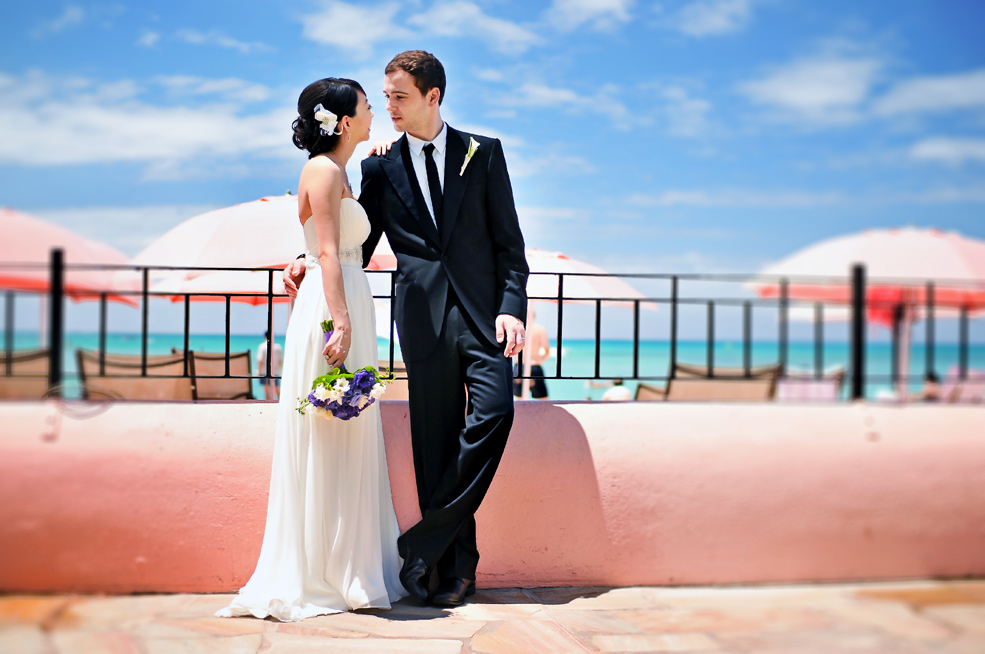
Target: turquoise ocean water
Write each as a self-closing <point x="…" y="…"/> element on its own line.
<point x="577" y="358"/>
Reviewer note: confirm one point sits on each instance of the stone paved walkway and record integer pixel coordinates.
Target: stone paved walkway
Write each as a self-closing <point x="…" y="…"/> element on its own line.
<point x="885" y="618"/>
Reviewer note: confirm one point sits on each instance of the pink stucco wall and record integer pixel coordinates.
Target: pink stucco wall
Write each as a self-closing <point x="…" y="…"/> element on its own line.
<point x="172" y="497"/>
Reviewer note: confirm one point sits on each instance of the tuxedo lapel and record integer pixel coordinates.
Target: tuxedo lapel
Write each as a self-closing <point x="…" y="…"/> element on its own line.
<point x="455" y="184"/>
<point x="396" y="165"/>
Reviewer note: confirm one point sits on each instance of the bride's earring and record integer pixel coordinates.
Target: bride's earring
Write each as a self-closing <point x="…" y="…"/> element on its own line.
<point x="348" y="137"/>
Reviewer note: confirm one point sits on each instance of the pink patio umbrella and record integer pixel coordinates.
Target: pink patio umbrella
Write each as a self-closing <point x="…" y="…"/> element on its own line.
<point x="27" y="239"/>
<point x="899" y="263"/>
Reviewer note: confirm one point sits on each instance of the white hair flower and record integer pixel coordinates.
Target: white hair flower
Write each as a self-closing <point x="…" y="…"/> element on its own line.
<point x="328" y="120"/>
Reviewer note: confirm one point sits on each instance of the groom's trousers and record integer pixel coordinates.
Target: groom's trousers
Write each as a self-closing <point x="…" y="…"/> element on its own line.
<point x="457" y="440"/>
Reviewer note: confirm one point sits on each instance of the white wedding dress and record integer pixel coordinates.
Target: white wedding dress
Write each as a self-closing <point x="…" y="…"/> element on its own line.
<point x="330" y="543"/>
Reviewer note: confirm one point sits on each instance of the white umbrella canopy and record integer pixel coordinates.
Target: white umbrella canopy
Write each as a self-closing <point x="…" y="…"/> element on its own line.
<point x="265" y="233"/>
<point x="261" y="234"/>
<point x="578" y="289"/>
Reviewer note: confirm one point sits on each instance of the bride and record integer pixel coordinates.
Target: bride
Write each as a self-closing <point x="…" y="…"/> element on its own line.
<point x="330" y="542"/>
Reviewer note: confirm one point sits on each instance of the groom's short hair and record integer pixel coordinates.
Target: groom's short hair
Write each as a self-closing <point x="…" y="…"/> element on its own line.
<point x="424" y="67"/>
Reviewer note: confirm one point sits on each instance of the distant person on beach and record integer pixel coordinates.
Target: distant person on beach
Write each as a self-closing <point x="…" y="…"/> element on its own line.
<point x="539" y="347"/>
<point x="618" y="392"/>
<point x="271" y="387"/>
<point x="931" y="391"/>
<point x="444" y="199"/>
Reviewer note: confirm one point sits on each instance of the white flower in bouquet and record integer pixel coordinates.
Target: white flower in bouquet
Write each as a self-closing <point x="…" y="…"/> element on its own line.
<point x="342" y="384"/>
<point x="363" y="401"/>
<point x="322" y="413"/>
<point x="378" y="390"/>
<point x="321" y="393"/>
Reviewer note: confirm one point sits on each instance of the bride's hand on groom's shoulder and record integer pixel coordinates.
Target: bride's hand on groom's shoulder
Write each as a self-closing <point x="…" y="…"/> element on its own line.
<point x="380" y="148"/>
<point x="293" y="274"/>
<point x="510" y="332"/>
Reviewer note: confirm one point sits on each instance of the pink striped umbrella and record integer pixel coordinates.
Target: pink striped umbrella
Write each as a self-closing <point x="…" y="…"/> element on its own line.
<point x="27" y="239"/>
<point x="899" y="263"/>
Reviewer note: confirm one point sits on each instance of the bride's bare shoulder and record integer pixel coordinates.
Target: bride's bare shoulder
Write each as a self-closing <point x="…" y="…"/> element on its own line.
<point x="321" y="172"/>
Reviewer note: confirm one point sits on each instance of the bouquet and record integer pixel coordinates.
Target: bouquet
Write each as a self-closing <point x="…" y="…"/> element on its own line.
<point x="341" y="394"/>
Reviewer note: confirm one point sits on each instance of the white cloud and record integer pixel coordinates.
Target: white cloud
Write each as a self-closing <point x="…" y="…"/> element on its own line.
<point x="111" y="123"/>
<point x="489" y="74"/>
<point x="950" y="151"/>
<point x="467" y="19"/>
<point x="684" y="114"/>
<point x="229" y="89"/>
<point x="733" y="198"/>
<point x="72" y="16"/>
<point x="219" y="39"/>
<point x="568" y="15"/>
<point x="353" y="28"/>
<point x="712" y="17"/>
<point x="603" y="105"/>
<point x="825" y="90"/>
<point x="149" y="39"/>
<point x="935" y="94"/>
<point x="803" y="199"/>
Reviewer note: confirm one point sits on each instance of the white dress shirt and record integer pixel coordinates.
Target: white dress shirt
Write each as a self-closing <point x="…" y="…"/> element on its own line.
<point x="420" y="162"/>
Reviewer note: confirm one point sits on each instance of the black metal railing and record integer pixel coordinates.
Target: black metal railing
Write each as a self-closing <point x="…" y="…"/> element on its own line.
<point x="856" y="301"/>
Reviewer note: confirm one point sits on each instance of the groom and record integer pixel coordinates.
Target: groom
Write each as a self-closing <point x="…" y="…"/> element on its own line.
<point x="444" y="199"/>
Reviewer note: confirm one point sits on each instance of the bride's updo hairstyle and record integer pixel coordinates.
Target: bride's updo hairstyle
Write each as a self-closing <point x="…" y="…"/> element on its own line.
<point x="335" y="94"/>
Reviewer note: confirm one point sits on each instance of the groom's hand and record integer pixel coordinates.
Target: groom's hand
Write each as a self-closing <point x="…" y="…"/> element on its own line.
<point x="510" y="329"/>
<point x="380" y="148"/>
<point x="293" y="274"/>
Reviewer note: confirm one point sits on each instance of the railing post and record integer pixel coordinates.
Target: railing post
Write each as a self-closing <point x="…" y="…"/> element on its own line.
<point x="56" y="331"/>
<point x="673" y="327"/>
<point x="8" y="333"/>
<point x="598" y="338"/>
<point x="711" y="339"/>
<point x="270" y="326"/>
<point x="818" y="341"/>
<point x="858" y="332"/>
<point x="931" y="335"/>
<point x="784" y="320"/>
<point x="393" y="299"/>
<point x="560" y="320"/>
<point x="636" y="339"/>
<point x="144" y="321"/>
<point x="747" y="338"/>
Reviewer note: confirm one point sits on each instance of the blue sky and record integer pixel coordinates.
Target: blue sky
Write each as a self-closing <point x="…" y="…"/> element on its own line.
<point x="697" y="136"/>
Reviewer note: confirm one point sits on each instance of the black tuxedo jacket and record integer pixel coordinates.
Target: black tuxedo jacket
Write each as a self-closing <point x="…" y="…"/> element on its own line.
<point x="479" y="252"/>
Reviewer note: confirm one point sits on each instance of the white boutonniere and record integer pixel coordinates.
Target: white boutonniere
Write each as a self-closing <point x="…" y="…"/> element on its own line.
<point x="473" y="146"/>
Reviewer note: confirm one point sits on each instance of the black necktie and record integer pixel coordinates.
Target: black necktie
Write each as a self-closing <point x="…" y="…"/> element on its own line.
<point x="434" y="184"/>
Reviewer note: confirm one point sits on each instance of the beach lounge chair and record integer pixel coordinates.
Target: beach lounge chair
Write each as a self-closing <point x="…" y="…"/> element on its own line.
<point x="121" y="377"/>
<point x="692" y="383"/>
<point x="970" y="390"/>
<point x="396" y="390"/>
<point x="799" y="386"/>
<point x="29" y="375"/>
<point x="210" y="382"/>
<point x="649" y="392"/>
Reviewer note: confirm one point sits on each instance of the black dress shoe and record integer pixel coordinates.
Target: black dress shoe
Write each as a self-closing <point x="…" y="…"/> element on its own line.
<point x="453" y="592"/>
<point x="415" y="575"/>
